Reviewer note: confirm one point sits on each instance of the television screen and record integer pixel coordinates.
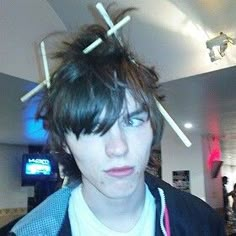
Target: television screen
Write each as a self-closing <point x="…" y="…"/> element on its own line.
<point x="38" y="166"/>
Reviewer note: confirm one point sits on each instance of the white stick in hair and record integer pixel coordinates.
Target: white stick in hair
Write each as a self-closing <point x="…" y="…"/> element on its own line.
<point x="45" y="64"/>
<point x="33" y="91"/>
<point x="173" y="125"/>
<point x="46" y="72"/>
<point x="109" y="33"/>
<point x="107" y="19"/>
<point x="85" y="51"/>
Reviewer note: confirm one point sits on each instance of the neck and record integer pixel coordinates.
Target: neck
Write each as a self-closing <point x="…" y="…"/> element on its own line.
<point x="119" y="214"/>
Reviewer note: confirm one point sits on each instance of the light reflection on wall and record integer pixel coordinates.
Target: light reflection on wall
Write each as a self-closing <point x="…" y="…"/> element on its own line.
<point x="33" y="129"/>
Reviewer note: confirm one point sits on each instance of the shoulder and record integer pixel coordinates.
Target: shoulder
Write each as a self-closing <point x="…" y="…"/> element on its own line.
<point x="46" y="218"/>
<point x="186" y="211"/>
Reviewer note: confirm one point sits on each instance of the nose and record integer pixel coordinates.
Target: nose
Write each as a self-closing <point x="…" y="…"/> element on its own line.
<point x="116" y="142"/>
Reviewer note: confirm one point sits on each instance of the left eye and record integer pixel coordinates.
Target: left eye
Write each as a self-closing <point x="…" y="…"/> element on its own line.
<point x="134" y="122"/>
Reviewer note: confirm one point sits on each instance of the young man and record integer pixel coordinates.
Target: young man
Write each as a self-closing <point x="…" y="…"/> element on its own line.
<point x="101" y="110"/>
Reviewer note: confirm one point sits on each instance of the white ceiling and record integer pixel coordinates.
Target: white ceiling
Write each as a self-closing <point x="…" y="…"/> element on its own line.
<point x="170" y="35"/>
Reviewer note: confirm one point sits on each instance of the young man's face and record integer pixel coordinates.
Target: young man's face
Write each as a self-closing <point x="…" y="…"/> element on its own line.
<point x="113" y="164"/>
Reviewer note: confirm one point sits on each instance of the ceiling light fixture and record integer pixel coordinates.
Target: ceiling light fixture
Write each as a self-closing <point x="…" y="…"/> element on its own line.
<point x="188" y="125"/>
<point x="218" y="45"/>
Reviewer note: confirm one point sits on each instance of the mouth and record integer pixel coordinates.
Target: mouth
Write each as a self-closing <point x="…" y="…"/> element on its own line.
<point x="120" y="171"/>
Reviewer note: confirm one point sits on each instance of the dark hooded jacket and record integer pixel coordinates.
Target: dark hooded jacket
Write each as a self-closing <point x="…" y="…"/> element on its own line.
<point x="187" y="214"/>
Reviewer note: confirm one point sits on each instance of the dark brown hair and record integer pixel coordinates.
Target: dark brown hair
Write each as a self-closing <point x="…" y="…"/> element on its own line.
<point x="84" y="84"/>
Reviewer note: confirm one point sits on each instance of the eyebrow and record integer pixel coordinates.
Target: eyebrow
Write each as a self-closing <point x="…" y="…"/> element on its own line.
<point x="137" y="112"/>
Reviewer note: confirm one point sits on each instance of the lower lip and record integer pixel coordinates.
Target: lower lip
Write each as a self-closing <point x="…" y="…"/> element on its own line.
<point x="120" y="172"/>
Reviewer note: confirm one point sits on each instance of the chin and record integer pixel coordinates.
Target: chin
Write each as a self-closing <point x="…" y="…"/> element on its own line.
<point x="121" y="190"/>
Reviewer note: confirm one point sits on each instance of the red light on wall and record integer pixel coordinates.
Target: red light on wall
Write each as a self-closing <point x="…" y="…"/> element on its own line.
<point x="214" y="155"/>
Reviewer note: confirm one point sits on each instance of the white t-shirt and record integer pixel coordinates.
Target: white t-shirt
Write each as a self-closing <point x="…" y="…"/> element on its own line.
<point x="84" y="222"/>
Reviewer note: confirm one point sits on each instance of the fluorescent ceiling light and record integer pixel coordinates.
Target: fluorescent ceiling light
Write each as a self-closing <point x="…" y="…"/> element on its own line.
<point x="188" y="125"/>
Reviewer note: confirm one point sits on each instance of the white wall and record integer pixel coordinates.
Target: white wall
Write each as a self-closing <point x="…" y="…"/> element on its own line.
<point x="12" y="195"/>
<point x="213" y="186"/>
<point x="176" y="156"/>
<point x="24" y="24"/>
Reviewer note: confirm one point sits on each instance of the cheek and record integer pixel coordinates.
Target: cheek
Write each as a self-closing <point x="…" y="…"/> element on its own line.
<point x="143" y="140"/>
<point x="86" y="163"/>
<point x="86" y="151"/>
<point x="89" y="170"/>
<point x="141" y="151"/>
<point x="87" y="159"/>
